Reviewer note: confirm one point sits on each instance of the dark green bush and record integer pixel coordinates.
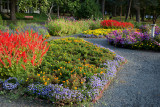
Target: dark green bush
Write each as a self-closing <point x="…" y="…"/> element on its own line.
<point x="88" y="9"/>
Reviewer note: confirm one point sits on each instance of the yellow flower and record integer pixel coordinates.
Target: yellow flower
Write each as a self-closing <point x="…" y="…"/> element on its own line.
<point x="63" y="81"/>
<point x="38" y="74"/>
<point x="60" y="73"/>
<point x="75" y="88"/>
<point x="81" y="82"/>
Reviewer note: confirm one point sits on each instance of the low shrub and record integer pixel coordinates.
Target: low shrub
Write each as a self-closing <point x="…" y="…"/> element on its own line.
<point x="20" y="53"/>
<point x="115" y="24"/>
<point x="62" y="27"/>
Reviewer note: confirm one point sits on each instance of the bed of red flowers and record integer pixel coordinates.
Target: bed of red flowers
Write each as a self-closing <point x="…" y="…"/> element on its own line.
<point x="20" y="52"/>
<point x="115" y="24"/>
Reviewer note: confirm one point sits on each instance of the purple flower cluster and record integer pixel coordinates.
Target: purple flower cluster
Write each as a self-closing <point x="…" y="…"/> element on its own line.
<point x="10" y="85"/>
<point x="157" y="30"/>
<point x="55" y="91"/>
<point x="98" y="81"/>
<point x="128" y="36"/>
<point x="145" y="29"/>
<point x="34" y="27"/>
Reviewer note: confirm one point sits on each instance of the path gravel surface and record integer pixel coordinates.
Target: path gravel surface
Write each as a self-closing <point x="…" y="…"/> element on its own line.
<point x="137" y="84"/>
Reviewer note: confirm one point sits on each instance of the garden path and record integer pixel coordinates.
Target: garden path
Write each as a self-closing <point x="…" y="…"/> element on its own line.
<point x="137" y="84"/>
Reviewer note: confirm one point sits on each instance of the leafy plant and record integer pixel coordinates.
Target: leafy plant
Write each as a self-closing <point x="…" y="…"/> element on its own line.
<point x="20" y="53"/>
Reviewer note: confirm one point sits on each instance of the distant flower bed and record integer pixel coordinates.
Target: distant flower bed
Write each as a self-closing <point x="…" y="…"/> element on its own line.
<point x="136" y="40"/>
<point x="22" y="27"/>
<point x="73" y="70"/>
<point x="115" y="24"/>
<point x="97" y="33"/>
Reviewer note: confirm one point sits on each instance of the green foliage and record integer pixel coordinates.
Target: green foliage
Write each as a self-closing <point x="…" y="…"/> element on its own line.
<point x="2" y="28"/>
<point x="1" y="20"/>
<point x="94" y="24"/>
<point x="12" y="26"/>
<point x="62" y="27"/>
<point x="157" y="38"/>
<point x="88" y="9"/>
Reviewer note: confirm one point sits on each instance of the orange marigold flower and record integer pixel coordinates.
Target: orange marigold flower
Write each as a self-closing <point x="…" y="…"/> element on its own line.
<point x="45" y="83"/>
<point x="101" y="72"/>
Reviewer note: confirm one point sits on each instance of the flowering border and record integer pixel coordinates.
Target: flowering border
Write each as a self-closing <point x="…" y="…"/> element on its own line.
<point x="117" y="59"/>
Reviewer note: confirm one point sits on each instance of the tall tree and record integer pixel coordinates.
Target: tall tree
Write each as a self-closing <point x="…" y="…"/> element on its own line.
<point x="137" y="8"/>
<point x="103" y="7"/>
<point x="128" y="9"/>
<point x="13" y="9"/>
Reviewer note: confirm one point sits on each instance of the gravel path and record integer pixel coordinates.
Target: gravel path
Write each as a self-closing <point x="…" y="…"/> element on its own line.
<point x="137" y="84"/>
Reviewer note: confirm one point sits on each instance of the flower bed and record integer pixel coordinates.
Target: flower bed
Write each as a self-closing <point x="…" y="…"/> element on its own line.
<point x="97" y="33"/>
<point x="135" y="40"/>
<point x="36" y="28"/>
<point x="72" y="71"/>
<point x="20" y="53"/>
<point x="115" y="24"/>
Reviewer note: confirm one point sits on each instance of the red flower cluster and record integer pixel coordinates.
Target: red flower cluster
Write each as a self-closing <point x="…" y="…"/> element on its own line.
<point x="20" y="50"/>
<point x="115" y="24"/>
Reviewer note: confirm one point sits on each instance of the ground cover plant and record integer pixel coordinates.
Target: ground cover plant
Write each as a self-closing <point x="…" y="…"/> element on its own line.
<point x="130" y="38"/>
<point x="63" y="27"/>
<point x="72" y="70"/>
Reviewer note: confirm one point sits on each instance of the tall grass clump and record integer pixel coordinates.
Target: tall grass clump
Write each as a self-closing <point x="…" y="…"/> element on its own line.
<point x="62" y="27"/>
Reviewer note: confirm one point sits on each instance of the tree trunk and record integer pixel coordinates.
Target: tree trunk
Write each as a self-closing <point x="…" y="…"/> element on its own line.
<point x="128" y="9"/>
<point x="121" y="12"/>
<point x="138" y="14"/>
<point x="142" y="15"/>
<point x="58" y="11"/>
<point x="114" y="11"/>
<point x="13" y="10"/>
<point x="103" y="7"/>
